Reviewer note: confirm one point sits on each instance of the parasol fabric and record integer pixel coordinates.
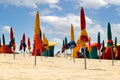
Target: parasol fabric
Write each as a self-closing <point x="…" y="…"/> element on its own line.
<point x="98" y="41"/>
<point x="29" y="47"/>
<point x="83" y="34"/>
<point x="3" y="37"/>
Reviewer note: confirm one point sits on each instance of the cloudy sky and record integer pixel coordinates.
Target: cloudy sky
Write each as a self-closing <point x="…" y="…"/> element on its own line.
<point x="56" y="17"/>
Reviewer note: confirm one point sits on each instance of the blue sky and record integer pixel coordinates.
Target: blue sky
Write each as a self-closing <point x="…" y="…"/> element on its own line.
<point x="56" y="17"/>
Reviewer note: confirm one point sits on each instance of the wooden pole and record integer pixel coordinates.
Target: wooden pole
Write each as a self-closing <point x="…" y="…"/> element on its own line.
<point x="71" y="54"/>
<point x="35" y="58"/>
<point x="99" y="56"/>
<point x="41" y="54"/>
<point x="85" y="58"/>
<point x="13" y="55"/>
<point x="73" y="57"/>
<point x="112" y="57"/>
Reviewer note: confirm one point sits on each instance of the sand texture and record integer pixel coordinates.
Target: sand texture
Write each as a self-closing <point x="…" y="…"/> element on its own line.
<point x="56" y="68"/>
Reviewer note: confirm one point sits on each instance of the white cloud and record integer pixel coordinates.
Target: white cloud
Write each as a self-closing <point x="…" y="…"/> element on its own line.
<point x="115" y="28"/>
<point x="96" y="4"/>
<point x="49" y="1"/>
<point x="92" y="3"/>
<point x="113" y="2"/>
<point x="55" y="6"/>
<point x="5" y="29"/>
<point x="60" y="26"/>
<point x="28" y="3"/>
<point x="46" y="12"/>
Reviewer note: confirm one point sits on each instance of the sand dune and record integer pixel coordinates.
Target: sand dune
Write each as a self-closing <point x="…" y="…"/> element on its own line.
<point x="56" y="68"/>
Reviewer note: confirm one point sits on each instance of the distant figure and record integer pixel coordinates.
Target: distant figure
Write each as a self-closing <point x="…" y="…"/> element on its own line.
<point x="80" y="55"/>
<point x="58" y="54"/>
<point x="82" y="51"/>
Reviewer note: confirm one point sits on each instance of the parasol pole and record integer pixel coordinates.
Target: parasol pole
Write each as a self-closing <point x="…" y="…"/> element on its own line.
<point x="112" y="56"/>
<point x="35" y="58"/>
<point x="73" y="56"/>
<point x="85" y="58"/>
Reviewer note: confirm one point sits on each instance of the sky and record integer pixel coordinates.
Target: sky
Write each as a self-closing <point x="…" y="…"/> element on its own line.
<point x="56" y="16"/>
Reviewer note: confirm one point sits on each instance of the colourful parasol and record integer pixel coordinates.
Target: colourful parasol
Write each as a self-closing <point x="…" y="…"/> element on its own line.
<point x="29" y="47"/>
<point x="115" y="47"/>
<point x="3" y="43"/>
<point x="103" y="46"/>
<point x="3" y="37"/>
<point x="89" y="45"/>
<point x="110" y="41"/>
<point x="72" y="33"/>
<point x="0" y="42"/>
<point x="98" y="44"/>
<point x="24" y="42"/>
<point x="37" y="33"/>
<point x="63" y="49"/>
<point x="109" y="35"/>
<point x="12" y="42"/>
<point x="83" y="34"/>
<point x="20" y="48"/>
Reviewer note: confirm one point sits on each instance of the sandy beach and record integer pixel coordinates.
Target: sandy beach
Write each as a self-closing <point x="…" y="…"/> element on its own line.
<point x="56" y="68"/>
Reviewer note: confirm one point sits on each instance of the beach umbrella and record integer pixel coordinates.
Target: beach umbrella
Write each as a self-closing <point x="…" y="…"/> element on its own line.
<point x="14" y="46"/>
<point x="115" y="45"/>
<point x="37" y="42"/>
<point x="110" y="41"/>
<point x="72" y="43"/>
<point x="72" y="33"/>
<point x="63" y="49"/>
<point x="37" y="25"/>
<point x="0" y="42"/>
<point x="11" y="34"/>
<point x="12" y="39"/>
<point x="43" y="38"/>
<point x="20" y="47"/>
<point x="115" y="48"/>
<point x="3" y="38"/>
<point x="37" y="32"/>
<point x="109" y="35"/>
<point x="66" y="44"/>
<point x="45" y="42"/>
<point x="24" y="42"/>
<point x="103" y="46"/>
<point x="83" y="34"/>
<point x="47" y="45"/>
<point x="98" y="38"/>
<point x="98" y="44"/>
<point x="89" y="45"/>
<point x="40" y="35"/>
<point x="29" y="47"/>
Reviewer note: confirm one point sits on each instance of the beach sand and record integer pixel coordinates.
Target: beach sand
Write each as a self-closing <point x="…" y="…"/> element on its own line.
<point x="56" y="68"/>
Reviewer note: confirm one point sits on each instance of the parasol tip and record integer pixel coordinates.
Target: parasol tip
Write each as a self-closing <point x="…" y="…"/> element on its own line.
<point x="37" y="12"/>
